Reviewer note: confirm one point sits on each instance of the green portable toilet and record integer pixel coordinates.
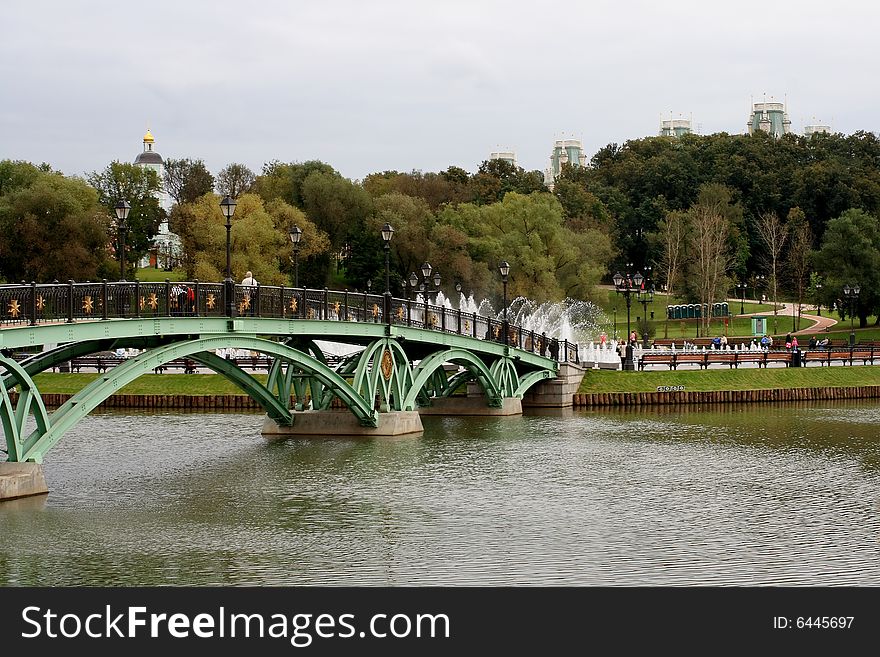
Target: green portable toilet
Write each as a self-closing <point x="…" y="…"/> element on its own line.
<point x="690" y="311"/>
<point x="725" y="308"/>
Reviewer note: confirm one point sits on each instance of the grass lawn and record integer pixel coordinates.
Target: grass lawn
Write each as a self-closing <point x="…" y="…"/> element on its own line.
<point x="594" y="381"/>
<point x="148" y="384"/>
<point x="726" y="379"/>
<point x="151" y="275"/>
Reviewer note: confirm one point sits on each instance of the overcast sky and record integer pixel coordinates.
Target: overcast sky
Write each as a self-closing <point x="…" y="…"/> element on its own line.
<point x="375" y="85"/>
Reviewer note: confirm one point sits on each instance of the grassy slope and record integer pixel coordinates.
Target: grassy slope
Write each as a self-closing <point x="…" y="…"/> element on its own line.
<point x="594" y="381"/>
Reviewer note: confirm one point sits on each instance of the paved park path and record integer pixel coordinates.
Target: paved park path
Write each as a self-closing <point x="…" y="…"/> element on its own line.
<point x="784" y="313"/>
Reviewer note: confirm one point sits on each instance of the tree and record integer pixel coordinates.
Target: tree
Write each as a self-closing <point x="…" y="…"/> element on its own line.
<point x="672" y="237"/>
<point x="235" y="180"/>
<point x="773" y="234"/>
<point x="258" y="238"/>
<point x="710" y="254"/>
<point x="549" y="261"/>
<point x="51" y="228"/>
<point x="799" y="254"/>
<point x="186" y="180"/>
<point x="285" y="181"/>
<point x="139" y="186"/>
<point x="850" y="255"/>
<point x="338" y="206"/>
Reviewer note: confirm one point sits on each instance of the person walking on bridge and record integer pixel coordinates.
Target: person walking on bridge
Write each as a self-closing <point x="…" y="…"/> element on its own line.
<point x="247" y="304"/>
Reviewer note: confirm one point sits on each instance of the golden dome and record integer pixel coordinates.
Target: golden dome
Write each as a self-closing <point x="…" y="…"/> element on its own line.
<point x="148" y="138"/>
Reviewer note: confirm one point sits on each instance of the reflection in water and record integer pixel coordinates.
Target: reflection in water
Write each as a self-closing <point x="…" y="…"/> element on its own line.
<point x="720" y="495"/>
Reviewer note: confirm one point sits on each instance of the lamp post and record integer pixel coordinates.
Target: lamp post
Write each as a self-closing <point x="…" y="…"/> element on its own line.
<point x="759" y="282"/>
<point x="665" y="289"/>
<point x="227" y="205"/>
<point x="741" y="287"/>
<point x="295" y="237"/>
<point x="436" y="286"/>
<point x="413" y="281"/>
<point x="387" y="234"/>
<point x="626" y="286"/>
<point x="122" y="209"/>
<point x="818" y="299"/>
<point x="646" y="296"/>
<point x="504" y="269"/>
<point x="851" y="294"/>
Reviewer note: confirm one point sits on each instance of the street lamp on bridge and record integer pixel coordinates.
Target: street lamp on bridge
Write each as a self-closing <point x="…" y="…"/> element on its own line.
<point x="504" y="270"/>
<point x="122" y="209"/>
<point x="295" y="237"/>
<point x="387" y="234"/>
<point x="227" y="205"/>
<point x="413" y="281"/>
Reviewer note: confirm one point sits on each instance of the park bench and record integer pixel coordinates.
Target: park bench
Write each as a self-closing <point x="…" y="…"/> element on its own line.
<point x="844" y="356"/>
<point x="97" y="363"/>
<point x="657" y="358"/>
<point x="685" y="357"/>
<point x="777" y="357"/>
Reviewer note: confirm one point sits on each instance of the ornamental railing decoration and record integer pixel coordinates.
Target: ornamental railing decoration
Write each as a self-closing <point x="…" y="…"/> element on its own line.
<point x="32" y="304"/>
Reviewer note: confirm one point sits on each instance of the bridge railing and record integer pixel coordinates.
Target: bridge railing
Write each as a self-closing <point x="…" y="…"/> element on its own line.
<point x="70" y="302"/>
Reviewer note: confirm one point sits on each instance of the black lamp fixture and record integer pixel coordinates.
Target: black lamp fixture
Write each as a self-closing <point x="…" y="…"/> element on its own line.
<point x="227" y="206"/>
<point x="387" y="234"/>
<point x="741" y="287"/>
<point x="851" y="294"/>
<point x="436" y="286"/>
<point x="295" y="237"/>
<point x="413" y="281"/>
<point x="122" y="209"/>
<point x="626" y="286"/>
<point x="504" y="270"/>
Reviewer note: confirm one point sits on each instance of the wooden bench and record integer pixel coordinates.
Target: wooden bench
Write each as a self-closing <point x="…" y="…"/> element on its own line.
<point x="827" y="356"/>
<point x="97" y="363"/>
<point x="657" y="358"/>
<point x="778" y="357"/>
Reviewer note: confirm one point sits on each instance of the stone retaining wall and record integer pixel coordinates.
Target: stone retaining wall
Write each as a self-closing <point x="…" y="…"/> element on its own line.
<point x="582" y="400"/>
<point x="579" y="400"/>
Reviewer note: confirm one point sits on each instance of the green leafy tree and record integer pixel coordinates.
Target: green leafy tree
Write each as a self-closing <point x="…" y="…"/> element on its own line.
<point x="141" y="188"/>
<point x="850" y="255"/>
<point x="51" y="228"/>
<point x="549" y="261"/>
<point x="258" y="239"/>
<point x="338" y="206"/>
<point x="285" y="181"/>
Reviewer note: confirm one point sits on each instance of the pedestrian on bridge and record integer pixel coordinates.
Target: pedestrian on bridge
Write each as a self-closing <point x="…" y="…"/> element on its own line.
<point x="248" y="300"/>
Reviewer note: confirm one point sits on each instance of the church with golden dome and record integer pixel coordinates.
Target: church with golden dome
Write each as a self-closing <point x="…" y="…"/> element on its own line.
<point x="165" y="251"/>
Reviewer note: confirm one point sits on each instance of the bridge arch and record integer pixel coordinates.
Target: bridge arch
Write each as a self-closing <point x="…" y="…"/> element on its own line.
<point x="427" y="367"/>
<point x="79" y="405"/>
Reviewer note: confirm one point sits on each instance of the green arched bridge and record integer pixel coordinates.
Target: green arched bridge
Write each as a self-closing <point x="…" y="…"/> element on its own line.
<point x="410" y="355"/>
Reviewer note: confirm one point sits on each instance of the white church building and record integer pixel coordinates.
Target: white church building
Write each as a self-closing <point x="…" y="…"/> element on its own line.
<point x="165" y="251"/>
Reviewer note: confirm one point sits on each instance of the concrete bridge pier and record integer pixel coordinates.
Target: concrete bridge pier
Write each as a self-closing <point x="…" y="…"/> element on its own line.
<point x="471" y="405"/>
<point x="558" y="392"/>
<point x="21" y="480"/>
<point x="343" y="423"/>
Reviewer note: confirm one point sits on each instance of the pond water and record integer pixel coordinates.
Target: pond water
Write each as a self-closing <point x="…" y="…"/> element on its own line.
<point x="720" y="495"/>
